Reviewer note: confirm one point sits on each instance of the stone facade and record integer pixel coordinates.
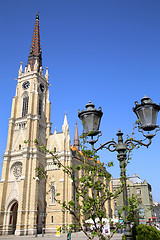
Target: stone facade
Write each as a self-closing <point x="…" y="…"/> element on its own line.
<point x="24" y="205"/>
<point x="139" y="188"/>
<point x="156" y="210"/>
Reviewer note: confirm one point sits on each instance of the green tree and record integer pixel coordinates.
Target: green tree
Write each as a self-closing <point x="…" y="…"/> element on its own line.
<point x="145" y="232"/>
<point x="91" y="190"/>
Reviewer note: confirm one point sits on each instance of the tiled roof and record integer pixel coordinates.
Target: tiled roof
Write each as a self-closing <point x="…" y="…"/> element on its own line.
<point x="35" y="50"/>
<point x="79" y="155"/>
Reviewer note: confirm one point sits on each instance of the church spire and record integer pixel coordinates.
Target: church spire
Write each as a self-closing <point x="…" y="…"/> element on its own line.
<point x="76" y="138"/>
<point x="35" y="55"/>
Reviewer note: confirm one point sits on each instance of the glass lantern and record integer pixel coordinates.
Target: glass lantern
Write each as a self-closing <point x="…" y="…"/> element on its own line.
<point x="91" y="119"/>
<point x="147" y="113"/>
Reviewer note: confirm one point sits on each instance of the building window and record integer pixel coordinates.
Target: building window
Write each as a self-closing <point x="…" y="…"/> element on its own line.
<point x="138" y="191"/>
<point x="55" y="150"/>
<point x="51" y="219"/>
<point x="116" y="212"/>
<point x="128" y="193"/>
<point x="40" y="107"/>
<point x="19" y="146"/>
<point x="25" y="106"/>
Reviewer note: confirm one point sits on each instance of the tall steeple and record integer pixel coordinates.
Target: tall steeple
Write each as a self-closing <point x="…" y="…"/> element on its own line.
<point x="35" y="50"/>
<point x="76" y="138"/>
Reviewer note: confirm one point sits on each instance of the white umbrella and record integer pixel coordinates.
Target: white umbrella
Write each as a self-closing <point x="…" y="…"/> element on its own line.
<point x="104" y="220"/>
<point x="89" y="221"/>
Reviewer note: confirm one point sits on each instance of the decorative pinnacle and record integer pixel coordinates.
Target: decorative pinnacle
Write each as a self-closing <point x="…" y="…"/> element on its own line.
<point x="76" y="138"/>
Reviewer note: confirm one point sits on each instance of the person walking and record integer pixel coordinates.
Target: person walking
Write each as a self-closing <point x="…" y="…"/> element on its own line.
<point x="69" y="235"/>
<point x="43" y="231"/>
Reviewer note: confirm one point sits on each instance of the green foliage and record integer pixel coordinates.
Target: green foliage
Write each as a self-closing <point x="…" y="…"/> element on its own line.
<point x="41" y="173"/>
<point x="145" y="232"/>
<point x="91" y="133"/>
<point x="91" y="188"/>
<point x="84" y="122"/>
<point x="36" y="141"/>
<point x="123" y="237"/>
<point x="133" y="208"/>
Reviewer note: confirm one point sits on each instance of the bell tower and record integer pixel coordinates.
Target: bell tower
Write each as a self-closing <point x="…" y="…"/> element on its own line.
<point x="22" y="198"/>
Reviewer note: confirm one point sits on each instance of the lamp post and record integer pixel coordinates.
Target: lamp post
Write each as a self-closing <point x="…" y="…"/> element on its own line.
<point x="147" y="114"/>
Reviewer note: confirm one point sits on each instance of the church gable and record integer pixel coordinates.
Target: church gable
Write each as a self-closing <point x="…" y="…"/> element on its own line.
<point x="56" y="142"/>
<point x="60" y="141"/>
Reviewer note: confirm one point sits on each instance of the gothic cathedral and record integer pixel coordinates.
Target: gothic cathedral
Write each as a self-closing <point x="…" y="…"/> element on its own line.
<point x="25" y="208"/>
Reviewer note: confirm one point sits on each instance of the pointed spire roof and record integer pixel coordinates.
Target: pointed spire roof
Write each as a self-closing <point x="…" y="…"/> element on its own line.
<point x="76" y="138"/>
<point x="35" y="50"/>
<point x="65" y="126"/>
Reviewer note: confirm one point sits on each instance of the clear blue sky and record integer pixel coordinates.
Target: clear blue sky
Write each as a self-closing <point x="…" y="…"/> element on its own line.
<point x="106" y="51"/>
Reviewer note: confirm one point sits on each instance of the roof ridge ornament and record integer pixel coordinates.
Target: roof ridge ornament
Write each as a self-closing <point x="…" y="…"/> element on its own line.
<point x="20" y="70"/>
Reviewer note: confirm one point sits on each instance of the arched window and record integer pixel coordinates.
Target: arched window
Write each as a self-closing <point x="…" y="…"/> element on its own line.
<point x="25" y="106"/>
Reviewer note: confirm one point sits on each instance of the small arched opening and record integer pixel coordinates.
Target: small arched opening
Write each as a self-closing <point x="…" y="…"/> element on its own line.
<point x="25" y="104"/>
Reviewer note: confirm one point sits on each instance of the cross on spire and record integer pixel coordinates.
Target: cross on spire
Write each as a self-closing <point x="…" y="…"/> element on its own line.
<point x="35" y="50"/>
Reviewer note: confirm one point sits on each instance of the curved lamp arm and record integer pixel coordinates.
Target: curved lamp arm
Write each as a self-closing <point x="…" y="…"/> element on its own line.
<point x="113" y="146"/>
<point x="133" y="143"/>
<point x="110" y="145"/>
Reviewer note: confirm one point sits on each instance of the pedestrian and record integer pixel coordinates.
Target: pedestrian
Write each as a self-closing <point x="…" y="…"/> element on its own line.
<point x="43" y="231"/>
<point x="36" y="233"/>
<point x="69" y="235"/>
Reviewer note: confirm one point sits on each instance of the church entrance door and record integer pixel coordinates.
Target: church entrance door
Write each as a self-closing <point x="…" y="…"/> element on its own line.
<point x="13" y="216"/>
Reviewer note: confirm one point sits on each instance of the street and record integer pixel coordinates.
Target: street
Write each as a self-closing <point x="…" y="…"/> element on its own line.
<point x="75" y="236"/>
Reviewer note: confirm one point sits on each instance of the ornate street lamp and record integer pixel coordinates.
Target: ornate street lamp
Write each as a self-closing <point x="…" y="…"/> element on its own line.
<point x="91" y="119"/>
<point x="147" y="115"/>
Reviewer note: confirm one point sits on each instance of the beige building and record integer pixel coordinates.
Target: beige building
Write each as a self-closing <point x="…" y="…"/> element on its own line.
<point x="24" y="205"/>
<point x="137" y="187"/>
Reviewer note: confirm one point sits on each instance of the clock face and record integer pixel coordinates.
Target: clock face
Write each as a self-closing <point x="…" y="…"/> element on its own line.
<point x="26" y="85"/>
<point x="41" y="87"/>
